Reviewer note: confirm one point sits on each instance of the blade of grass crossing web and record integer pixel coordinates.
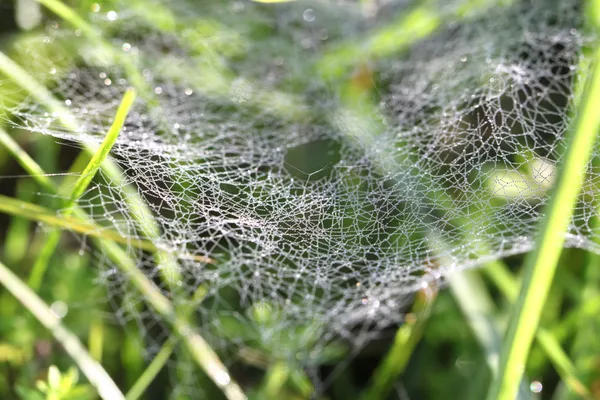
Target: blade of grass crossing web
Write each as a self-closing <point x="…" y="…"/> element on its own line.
<point x="199" y="349"/>
<point x="136" y="205"/>
<point x="540" y="265"/>
<point x="80" y="223"/>
<point x="406" y="339"/>
<point x="509" y="288"/>
<point x="159" y="361"/>
<point x="26" y="162"/>
<point x="204" y="356"/>
<point x="140" y="386"/>
<point x="18" y="233"/>
<point x="585" y="344"/>
<point x="107" y="144"/>
<point x="97" y="376"/>
<point x="41" y="264"/>
<point x="469" y="291"/>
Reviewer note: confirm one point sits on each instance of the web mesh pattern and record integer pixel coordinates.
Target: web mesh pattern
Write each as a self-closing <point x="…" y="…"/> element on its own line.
<point x="329" y="166"/>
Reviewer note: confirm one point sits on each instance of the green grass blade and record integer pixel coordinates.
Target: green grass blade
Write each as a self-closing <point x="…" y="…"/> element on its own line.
<point x="97" y="376"/>
<point x="469" y="291"/>
<point x="26" y="162"/>
<point x="540" y="265"/>
<point x="79" y="224"/>
<point x="41" y="264"/>
<point x="509" y="288"/>
<point x="406" y="339"/>
<point x="100" y="155"/>
<point x="200" y="350"/>
<point x="136" y="205"/>
<point x="18" y="233"/>
<point x="153" y="369"/>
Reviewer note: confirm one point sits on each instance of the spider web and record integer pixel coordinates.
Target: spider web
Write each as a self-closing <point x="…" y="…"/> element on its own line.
<point x="333" y="158"/>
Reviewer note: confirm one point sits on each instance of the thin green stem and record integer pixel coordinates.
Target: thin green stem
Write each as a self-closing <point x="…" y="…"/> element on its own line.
<point x="509" y="288"/>
<point x="94" y="372"/>
<point x="41" y="264"/>
<point x="406" y="339"/>
<point x="540" y="265"/>
<point x="80" y="224"/>
<point x="140" y="386"/>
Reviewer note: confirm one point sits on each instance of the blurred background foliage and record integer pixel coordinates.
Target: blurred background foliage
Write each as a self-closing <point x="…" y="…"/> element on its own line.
<point x="438" y="354"/>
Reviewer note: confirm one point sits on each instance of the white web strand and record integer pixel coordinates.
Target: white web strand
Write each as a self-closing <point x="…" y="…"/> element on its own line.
<point x="324" y="218"/>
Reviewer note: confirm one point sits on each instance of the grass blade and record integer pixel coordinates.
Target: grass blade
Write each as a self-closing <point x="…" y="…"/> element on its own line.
<point x="204" y="356"/>
<point x="406" y="339"/>
<point x="153" y="369"/>
<point x="540" y="265"/>
<point x="508" y="286"/>
<point x="41" y="263"/>
<point x="92" y="370"/>
<point x="81" y="225"/>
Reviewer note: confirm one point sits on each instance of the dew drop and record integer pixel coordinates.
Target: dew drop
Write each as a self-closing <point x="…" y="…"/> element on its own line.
<point x="107" y="82"/>
<point x="309" y="15"/>
<point x="536" y="387"/>
<point x="222" y="378"/>
<point x="188" y="91"/>
<point x="95" y="7"/>
<point x="59" y="308"/>
<point x="68" y="102"/>
<point x="158" y="90"/>
<point x="126" y="47"/>
<point x="112" y="16"/>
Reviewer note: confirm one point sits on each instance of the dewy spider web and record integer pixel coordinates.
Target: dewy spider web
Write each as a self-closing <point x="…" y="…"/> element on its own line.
<point x="332" y="158"/>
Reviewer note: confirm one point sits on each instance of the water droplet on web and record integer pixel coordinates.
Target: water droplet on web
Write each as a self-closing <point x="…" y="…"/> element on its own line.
<point x="222" y="378"/>
<point x="126" y="47"/>
<point x="158" y="90"/>
<point x="102" y="75"/>
<point x="53" y="71"/>
<point x="95" y="7"/>
<point x="112" y="16"/>
<point x="188" y="92"/>
<point x="536" y="387"/>
<point x="107" y="82"/>
<point x="68" y="102"/>
<point x="463" y="59"/>
<point x="237" y="6"/>
<point x="59" y="308"/>
<point x="309" y="15"/>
